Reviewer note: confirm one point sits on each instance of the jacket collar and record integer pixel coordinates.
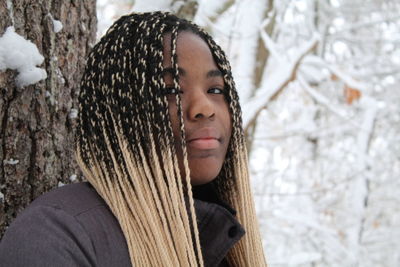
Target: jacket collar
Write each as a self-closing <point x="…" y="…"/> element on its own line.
<point x="208" y="193"/>
<point x="218" y="228"/>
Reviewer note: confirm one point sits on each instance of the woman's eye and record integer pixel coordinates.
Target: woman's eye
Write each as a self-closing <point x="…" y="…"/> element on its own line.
<point x="215" y="91"/>
<point x="172" y="91"/>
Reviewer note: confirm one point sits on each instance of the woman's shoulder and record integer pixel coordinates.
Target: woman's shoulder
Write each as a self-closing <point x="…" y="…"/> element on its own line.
<point x="67" y="226"/>
<point x="48" y="233"/>
<point x="74" y="199"/>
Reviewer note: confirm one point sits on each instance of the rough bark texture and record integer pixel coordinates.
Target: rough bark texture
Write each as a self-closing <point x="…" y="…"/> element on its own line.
<point x="35" y="127"/>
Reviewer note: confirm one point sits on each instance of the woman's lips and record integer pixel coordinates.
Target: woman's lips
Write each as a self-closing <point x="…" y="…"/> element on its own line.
<point x="206" y="138"/>
<point x="204" y="143"/>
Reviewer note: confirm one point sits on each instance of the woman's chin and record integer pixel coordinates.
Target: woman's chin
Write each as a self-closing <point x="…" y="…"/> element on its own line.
<point x="204" y="176"/>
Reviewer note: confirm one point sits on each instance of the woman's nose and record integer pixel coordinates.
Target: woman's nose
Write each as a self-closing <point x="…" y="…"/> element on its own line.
<point x="200" y="106"/>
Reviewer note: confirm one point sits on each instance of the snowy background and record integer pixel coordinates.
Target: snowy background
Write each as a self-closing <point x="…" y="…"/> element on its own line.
<point x="319" y="86"/>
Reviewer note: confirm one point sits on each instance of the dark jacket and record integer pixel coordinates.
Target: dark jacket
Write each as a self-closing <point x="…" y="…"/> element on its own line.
<point x="73" y="226"/>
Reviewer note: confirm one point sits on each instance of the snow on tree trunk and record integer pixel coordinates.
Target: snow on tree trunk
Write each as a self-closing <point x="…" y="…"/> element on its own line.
<point x="37" y="121"/>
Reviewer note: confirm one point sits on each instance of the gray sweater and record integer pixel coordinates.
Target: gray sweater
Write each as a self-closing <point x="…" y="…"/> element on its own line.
<point x="73" y="226"/>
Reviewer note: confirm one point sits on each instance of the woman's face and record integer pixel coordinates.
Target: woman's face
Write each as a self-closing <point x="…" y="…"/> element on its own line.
<point x="205" y="111"/>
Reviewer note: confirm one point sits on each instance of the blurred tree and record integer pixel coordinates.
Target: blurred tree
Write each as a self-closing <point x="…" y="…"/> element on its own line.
<point x="185" y="9"/>
<point x="37" y="122"/>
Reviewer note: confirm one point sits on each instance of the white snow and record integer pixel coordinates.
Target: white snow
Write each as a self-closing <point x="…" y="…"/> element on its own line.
<point x="19" y="54"/>
<point x="1" y="196"/>
<point x="73" y="177"/>
<point x="281" y="75"/>
<point x="321" y="98"/>
<point x="10" y="8"/>
<point x="350" y="81"/>
<point x="60" y="184"/>
<point x="57" y="25"/>
<point x="73" y="113"/>
<point x="11" y="161"/>
<point x="146" y="6"/>
<point x="243" y="53"/>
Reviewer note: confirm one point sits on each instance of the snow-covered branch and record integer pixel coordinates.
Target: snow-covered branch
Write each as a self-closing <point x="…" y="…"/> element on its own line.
<point x="284" y="73"/>
<point x="366" y="131"/>
<point x="322" y="99"/>
<point x="269" y="44"/>
<point x="356" y="26"/>
<point x="347" y="79"/>
<point x="360" y="188"/>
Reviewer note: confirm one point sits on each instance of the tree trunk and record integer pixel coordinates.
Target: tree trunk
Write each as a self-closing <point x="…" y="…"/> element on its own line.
<point x="37" y="122"/>
<point x="262" y="51"/>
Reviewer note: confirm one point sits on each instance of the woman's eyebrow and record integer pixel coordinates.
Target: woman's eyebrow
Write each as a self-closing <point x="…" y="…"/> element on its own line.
<point x="171" y="71"/>
<point x="214" y="73"/>
<point x="210" y="74"/>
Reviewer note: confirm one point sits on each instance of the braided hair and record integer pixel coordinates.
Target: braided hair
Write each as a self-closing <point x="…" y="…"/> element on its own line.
<point x="125" y="145"/>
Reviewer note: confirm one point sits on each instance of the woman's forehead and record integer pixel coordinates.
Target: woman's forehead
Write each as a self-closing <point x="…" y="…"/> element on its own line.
<point x="184" y="38"/>
<point x="188" y="45"/>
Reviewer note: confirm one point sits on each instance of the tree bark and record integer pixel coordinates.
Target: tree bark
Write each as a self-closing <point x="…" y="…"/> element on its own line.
<point x="37" y="122"/>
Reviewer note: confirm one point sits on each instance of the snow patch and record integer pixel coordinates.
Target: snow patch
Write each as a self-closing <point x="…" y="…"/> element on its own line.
<point x="60" y="184"/>
<point x="11" y="161"/>
<point x="1" y="197"/>
<point x="147" y="6"/>
<point x="57" y="25"/>
<point x="83" y="27"/>
<point x="73" y="177"/>
<point x="73" y="114"/>
<point x="10" y="8"/>
<point x="19" y="54"/>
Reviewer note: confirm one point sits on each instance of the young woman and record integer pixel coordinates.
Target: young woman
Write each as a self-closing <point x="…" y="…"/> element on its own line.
<point x="160" y="142"/>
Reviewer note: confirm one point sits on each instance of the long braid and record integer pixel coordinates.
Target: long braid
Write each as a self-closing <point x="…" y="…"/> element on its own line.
<point x="125" y="145"/>
<point x="186" y="185"/>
